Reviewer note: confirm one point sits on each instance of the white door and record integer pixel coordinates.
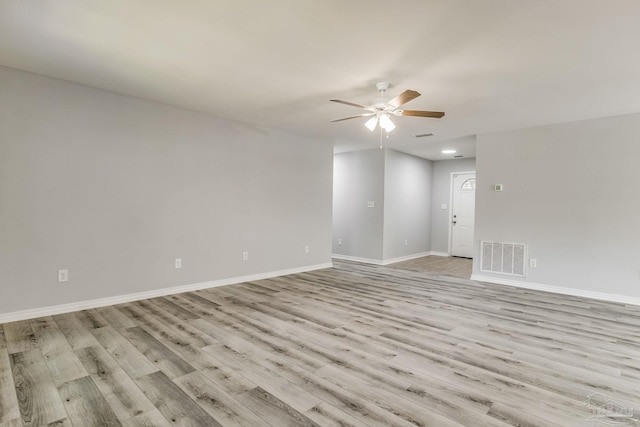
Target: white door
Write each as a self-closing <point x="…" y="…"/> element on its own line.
<point x="463" y="214"/>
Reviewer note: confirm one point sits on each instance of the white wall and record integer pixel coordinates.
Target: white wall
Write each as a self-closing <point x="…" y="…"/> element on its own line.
<point x="571" y="194"/>
<point x="358" y="179"/>
<point x="407" y="205"/>
<point x="441" y="218"/>
<point x="115" y="188"/>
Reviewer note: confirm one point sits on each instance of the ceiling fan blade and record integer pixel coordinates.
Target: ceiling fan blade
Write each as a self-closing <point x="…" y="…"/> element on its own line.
<point x="353" y="117"/>
<point x="403" y="98"/>
<point x="418" y="113"/>
<point x="349" y="103"/>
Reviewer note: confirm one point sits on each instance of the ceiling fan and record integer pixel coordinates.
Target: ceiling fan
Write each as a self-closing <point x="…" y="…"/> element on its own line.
<point x="383" y="107"/>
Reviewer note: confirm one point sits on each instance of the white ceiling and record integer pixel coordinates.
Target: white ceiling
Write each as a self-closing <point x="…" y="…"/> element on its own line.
<point x="490" y="65"/>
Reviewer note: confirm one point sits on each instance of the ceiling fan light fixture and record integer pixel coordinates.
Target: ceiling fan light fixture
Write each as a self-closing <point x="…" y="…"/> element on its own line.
<point x="371" y="123"/>
<point x="382" y="108"/>
<point x="386" y="123"/>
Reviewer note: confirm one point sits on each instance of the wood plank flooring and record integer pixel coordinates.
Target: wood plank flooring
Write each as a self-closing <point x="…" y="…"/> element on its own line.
<point x="440" y="265"/>
<point x="354" y="345"/>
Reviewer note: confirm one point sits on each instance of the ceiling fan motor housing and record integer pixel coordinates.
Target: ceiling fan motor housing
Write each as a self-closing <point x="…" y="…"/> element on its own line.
<point x="379" y="102"/>
<point x="382" y="86"/>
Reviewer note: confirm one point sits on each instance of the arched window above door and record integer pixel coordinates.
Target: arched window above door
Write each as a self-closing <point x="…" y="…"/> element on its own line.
<point x="469" y="184"/>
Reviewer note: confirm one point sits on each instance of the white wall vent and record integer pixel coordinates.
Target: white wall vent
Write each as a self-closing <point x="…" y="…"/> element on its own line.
<point x="503" y="258"/>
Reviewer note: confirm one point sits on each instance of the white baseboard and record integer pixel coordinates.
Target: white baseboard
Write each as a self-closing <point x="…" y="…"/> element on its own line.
<point x="387" y="261"/>
<point x="558" y="289"/>
<point x="439" y="253"/>
<point x="120" y="299"/>
<point x="357" y="259"/>
<point x="405" y="258"/>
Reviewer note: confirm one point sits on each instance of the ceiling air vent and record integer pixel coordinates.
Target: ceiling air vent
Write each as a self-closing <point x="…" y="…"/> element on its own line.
<point x="422" y="135"/>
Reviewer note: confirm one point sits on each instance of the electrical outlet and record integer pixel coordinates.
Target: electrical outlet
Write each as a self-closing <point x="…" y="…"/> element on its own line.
<point x="406" y="243"/>
<point x="178" y="262"/>
<point x="63" y="275"/>
<point x="306" y="249"/>
<point x="533" y="263"/>
<point x="245" y="256"/>
<point x="339" y="242"/>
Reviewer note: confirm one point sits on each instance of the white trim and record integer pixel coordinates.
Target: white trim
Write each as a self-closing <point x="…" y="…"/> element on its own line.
<point x="405" y="258"/>
<point x="119" y="299"/>
<point x="387" y="261"/>
<point x="450" y="219"/>
<point x="434" y="253"/>
<point x="624" y="299"/>
<point x="357" y="259"/>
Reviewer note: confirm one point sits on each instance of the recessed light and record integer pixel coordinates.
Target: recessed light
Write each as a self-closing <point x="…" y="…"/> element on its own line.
<point x="448" y="151"/>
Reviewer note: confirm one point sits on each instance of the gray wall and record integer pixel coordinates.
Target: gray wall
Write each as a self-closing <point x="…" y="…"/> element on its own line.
<point x="441" y="188"/>
<point x="358" y="179"/>
<point x="407" y="205"/>
<point x="400" y="186"/>
<point x="571" y="194"/>
<point x="115" y="188"/>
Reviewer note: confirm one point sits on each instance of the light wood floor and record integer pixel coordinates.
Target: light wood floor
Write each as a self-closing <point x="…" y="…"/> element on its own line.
<point x="355" y="345"/>
<point x="439" y="265"/>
